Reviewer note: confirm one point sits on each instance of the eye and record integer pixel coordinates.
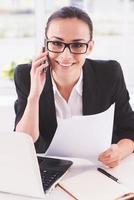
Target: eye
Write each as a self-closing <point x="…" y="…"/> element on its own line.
<point x="57" y="43"/>
<point x="78" y="45"/>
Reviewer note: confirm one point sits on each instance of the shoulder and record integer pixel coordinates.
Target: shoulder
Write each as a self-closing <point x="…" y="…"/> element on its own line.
<point x="106" y="69"/>
<point x="104" y="66"/>
<point x="23" y="69"/>
<point x="22" y="72"/>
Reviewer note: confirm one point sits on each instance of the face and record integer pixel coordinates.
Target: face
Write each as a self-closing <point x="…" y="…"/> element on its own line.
<point x="68" y="31"/>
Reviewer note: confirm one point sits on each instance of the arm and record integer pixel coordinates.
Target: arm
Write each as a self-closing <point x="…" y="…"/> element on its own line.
<point x="123" y="133"/>
<point x="29" y="121"/>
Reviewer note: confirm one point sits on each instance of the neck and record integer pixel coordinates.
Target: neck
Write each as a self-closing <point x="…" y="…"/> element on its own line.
<point x="65" y="84"/>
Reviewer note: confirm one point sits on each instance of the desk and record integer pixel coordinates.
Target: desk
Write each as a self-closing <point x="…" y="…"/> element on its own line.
<point x="124" y="172"/>
<point x="57" y="193"/>
<point x="79" y="166"/>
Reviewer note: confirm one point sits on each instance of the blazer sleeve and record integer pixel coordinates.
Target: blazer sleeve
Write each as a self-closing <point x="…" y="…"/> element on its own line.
<point x="124" y="116"/>
<point x="22" y="84"/>
<point x="47" y="130"/>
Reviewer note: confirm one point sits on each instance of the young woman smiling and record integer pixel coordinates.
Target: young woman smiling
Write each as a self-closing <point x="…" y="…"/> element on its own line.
<point x="72" y="85"/>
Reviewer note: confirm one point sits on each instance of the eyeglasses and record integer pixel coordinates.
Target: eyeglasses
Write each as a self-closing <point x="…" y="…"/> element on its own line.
<point x="59" y="47"/>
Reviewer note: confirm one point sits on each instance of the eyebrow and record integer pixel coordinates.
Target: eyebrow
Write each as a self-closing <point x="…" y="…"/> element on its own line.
<point x="75" y="40"/>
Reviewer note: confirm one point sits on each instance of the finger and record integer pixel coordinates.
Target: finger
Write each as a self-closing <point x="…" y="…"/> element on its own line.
<point x="104" y="158"/>
<point x="110" y="151"/>
<point x="112" y="159"/>
<point x="41" y="55"/>
<point x="105" y="155"/>
<point x="113" y="164"/>
<point x="40" y="62"/>
<point x="40" y="69"/>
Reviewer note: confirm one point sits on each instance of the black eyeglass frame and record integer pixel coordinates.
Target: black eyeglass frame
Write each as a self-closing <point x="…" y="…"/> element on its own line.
<point x="66" y="45"/>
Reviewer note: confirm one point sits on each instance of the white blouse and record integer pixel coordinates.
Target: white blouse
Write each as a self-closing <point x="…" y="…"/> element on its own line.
<point x="73" y="107"/>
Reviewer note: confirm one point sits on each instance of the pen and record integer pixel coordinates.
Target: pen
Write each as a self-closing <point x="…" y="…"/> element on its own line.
<point x="108" y="175"/>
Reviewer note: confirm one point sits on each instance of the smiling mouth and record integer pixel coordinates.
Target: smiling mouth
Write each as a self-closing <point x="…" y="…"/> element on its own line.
<point x="65" y="65"/>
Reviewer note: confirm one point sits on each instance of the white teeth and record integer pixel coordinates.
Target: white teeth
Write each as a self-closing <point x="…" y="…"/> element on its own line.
<point x="65" y="65"/>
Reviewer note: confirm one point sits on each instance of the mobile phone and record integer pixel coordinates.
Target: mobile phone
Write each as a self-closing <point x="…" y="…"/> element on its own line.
<point x="48" y="60"/>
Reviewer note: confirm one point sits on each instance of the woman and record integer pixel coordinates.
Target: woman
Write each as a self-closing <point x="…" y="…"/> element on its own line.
<point x="72" y="85"/>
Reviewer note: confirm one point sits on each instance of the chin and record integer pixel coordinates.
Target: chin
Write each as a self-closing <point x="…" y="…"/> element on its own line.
<point x="63" y="68"/>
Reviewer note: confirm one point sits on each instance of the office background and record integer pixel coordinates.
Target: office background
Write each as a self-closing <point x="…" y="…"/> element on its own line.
<point x="21" y="37"/>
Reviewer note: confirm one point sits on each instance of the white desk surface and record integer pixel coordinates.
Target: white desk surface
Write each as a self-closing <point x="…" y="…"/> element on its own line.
<point x="56" y="194"/>
<point x="79" y="166"/>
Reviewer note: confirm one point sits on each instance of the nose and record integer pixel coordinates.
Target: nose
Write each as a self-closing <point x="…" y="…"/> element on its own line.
<point x="66" y="53"/>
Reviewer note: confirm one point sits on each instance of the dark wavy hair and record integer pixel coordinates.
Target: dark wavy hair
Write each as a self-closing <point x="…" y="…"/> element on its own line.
<point x="71" y="12"/>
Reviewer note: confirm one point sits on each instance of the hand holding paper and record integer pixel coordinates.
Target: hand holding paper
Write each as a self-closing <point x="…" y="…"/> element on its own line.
<point x="111" y="157"/>
<point x="83" y="136"/>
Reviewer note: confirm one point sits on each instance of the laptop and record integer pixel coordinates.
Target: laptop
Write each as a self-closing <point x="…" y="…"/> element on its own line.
<point x="52" y="170"/>
<point x="19" y="169"/>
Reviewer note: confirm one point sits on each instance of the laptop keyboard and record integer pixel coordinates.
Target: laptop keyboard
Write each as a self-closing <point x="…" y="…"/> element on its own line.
<point x="52" y="170"/>
<point x="49" y="178"/>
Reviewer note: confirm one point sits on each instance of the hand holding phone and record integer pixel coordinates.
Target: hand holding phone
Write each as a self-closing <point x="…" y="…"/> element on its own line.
<point x="38" y="74"/>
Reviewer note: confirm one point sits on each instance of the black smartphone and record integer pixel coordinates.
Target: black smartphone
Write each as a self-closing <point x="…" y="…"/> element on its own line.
<point x="48" y="60"/>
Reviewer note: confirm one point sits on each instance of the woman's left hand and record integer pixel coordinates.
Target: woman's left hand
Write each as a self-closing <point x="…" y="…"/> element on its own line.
<point x="111" y="157"/>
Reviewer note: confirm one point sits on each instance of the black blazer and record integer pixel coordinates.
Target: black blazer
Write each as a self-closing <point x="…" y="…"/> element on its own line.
<point x="103" y="84"/>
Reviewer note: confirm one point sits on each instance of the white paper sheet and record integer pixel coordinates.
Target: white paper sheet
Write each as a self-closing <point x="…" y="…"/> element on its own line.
<point x="83" y="136"/>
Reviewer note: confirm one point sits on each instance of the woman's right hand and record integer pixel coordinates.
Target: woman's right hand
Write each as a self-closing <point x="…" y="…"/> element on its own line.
<point x="38" y="75"/>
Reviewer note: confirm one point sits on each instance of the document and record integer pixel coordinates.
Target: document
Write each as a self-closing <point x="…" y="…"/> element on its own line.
<point x="83" y="136"/>
<point x="19" y="170"/>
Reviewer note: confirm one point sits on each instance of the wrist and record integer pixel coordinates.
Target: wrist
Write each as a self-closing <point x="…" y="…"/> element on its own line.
<point x="126" y="146"/>
<point x="33" y="99"/>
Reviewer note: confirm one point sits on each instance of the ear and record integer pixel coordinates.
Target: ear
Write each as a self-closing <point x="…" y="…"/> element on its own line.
<point x="90" y="47"/>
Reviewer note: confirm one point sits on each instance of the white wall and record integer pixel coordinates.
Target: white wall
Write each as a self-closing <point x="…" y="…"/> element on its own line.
<point x="7" y="99"/>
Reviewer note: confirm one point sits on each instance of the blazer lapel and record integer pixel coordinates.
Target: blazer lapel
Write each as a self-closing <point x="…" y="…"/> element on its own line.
<point x="47" y="109"/>
<point x="90" y="90"/>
